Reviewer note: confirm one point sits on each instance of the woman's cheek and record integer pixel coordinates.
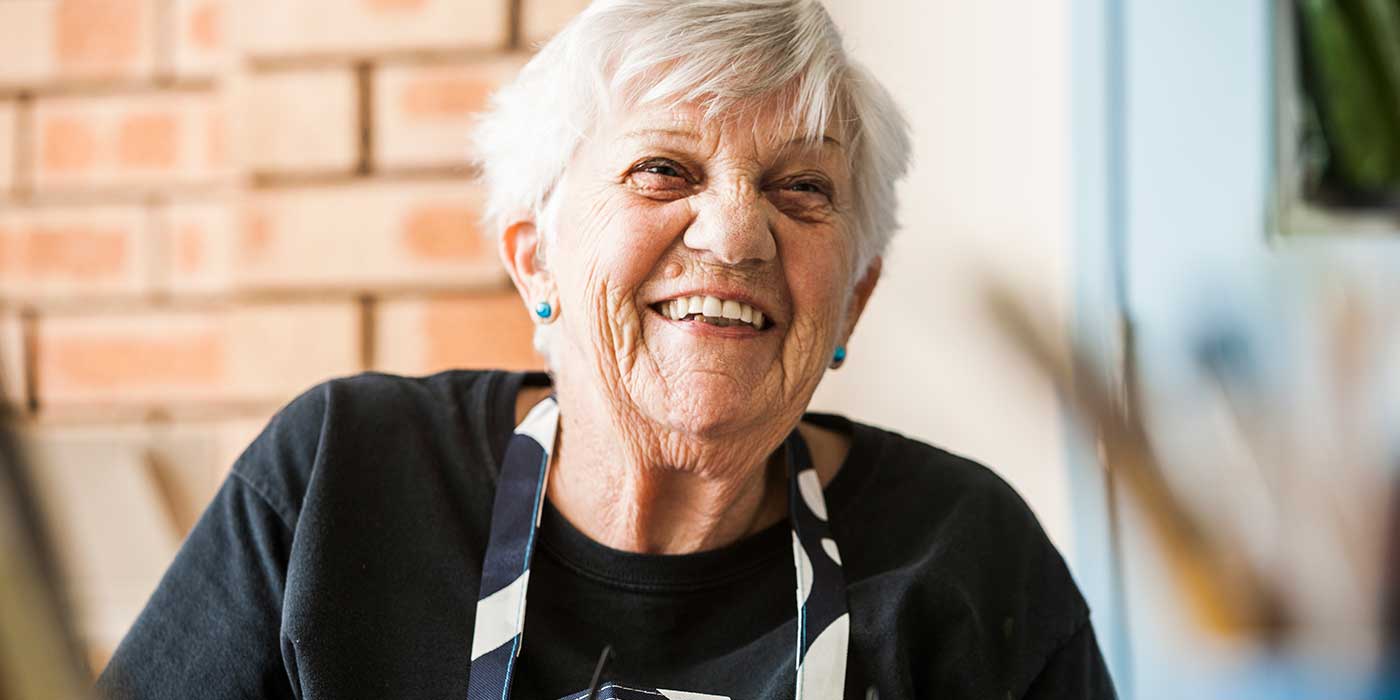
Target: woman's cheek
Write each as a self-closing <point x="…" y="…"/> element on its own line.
<point x="817" y="277"/>
<point x="623" y="250"/>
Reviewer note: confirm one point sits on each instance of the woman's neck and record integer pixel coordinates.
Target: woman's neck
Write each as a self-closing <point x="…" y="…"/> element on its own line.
<point x="660" y="511"/>
<point x="650" y="491"/>
<point x="654" y="494"/>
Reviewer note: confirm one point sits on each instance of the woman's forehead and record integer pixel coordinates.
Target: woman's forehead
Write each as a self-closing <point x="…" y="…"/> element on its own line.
<point x="768" y="125"/>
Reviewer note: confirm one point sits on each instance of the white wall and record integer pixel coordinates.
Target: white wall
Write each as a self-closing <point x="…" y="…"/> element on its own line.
<point x="985" y="86"/>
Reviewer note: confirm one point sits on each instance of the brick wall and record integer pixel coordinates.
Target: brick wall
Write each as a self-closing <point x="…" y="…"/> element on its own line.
<point x="206" y="206"/>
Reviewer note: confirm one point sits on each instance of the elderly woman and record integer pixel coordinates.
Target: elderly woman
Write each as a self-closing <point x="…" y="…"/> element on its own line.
<point x="692" y="199"/>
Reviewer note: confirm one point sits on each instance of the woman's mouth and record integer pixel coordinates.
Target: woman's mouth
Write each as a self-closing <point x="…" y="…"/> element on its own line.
<point x="713" y="311"/>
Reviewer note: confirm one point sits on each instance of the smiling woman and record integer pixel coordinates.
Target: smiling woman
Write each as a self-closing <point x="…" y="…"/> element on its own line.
<point x="692" y="199"/>
<point x="662" y="204"/>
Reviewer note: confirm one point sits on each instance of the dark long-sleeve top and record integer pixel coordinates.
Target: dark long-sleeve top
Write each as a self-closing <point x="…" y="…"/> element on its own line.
<point x="342" y="559"/>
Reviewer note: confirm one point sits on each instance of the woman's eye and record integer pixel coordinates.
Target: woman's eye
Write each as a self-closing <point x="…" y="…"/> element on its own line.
<point x="654" y="171"/>
<point x="659" y="178"/>
<point x="807" y="188"/>
<point x="803" y="197"/>
<point x="661" y="169"/>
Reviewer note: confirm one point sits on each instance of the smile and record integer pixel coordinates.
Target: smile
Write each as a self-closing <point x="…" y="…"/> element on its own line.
<point x="712" y="311"/>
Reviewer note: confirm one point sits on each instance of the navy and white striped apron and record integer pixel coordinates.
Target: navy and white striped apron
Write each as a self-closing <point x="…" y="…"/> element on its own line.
<point x="823" y="624"/>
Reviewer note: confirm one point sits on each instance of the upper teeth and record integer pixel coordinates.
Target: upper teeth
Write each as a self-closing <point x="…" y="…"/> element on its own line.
<point x="712" y="308"/>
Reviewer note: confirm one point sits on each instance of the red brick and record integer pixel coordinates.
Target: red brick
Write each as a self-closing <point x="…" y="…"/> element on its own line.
<point x="7" y="146"/>
<point x="58" y="40"/>
<point x="12" y="371"/>
<point x="115" y="360"/>
<point x="541" y="19"/>
<point x="366" y="236"/>
<point x="366" y="27"/>
<point x="68" y="252"/>
<point x="69" y="144"/>
<point x="147" y="140"/>
<point x="127" y="142"/>
<point x="301" y="121"/>
<point x="201" y="37"/>
<point x="423" y="115"/>
<point x="198" y="241"/>
<point x="99" y="36"/>
<point x="434" y="232"/>
<point x="421" y="336"/>
<point x="254" y="354"/>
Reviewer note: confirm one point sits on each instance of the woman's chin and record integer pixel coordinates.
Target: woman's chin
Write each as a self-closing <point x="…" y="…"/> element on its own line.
<point x="713" y="404"/>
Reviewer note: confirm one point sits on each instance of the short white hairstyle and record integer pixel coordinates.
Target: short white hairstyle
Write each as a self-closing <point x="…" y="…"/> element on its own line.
<point x="721" y="54"/>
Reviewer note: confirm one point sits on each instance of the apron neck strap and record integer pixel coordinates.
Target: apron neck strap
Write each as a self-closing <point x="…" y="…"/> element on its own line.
<point x="823" y="623"/>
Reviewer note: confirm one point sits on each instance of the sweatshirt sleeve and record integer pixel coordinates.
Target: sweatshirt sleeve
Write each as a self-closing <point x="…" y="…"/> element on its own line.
<point x="212" y="628"/>
<point x="1075" y="670"/>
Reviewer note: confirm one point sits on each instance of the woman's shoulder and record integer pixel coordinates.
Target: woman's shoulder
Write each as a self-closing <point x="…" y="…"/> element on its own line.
<point x="354" y="422"/>
<point x="961" y="525"/>
<point x="887" y="466"/>
<point x="377" y="400"/>
<point x="951" y="541"/>
<point x="450" y="389"/>
<point x="955" y="501"/>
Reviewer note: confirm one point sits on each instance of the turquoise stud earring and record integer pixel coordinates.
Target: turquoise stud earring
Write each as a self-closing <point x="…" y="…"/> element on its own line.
<point x="544" y="311"/>
<point x="838" y="357"/>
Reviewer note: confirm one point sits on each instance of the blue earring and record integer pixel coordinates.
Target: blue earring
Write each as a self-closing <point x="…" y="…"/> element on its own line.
<point x="838" y="357"/>
<point x="544" y="310"/>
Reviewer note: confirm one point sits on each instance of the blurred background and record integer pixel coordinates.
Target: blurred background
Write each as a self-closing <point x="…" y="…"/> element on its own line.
<point x="1149" y="273"/>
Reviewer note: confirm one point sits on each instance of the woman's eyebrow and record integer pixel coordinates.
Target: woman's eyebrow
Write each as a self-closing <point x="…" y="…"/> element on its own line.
<point x="689" y="135"/>
<point x="795" y="147"/>
<point x="827" y="140"/>
<point x="804" y="147"/>
<point x="671" y="133"/>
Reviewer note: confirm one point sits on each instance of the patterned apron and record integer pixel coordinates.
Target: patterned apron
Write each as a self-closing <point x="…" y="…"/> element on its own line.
<point x="823" y="624"/>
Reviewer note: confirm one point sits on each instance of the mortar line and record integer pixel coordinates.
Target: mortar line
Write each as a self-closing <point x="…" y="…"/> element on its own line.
<point x="29" y="347"/>
<point x="364" y="83"/>
<point x="23" y="186"/>
<point x="515" y="17"/>
<point x="368" y="322"/>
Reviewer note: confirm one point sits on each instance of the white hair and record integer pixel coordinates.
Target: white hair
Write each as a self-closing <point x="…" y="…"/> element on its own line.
<point x="720" y="54"/>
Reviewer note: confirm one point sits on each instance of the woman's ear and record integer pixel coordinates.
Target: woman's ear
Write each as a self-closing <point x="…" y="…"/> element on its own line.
<point x="520" y="246"/>
<point x="861" y="295"/>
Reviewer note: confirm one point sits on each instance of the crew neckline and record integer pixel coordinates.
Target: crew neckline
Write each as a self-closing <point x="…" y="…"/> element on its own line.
<point x="661" y="572"/>
<point x="693" y="571"/>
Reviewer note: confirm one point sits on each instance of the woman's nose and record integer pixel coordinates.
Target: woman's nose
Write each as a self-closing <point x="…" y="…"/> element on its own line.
<point x="733" y="227"/>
